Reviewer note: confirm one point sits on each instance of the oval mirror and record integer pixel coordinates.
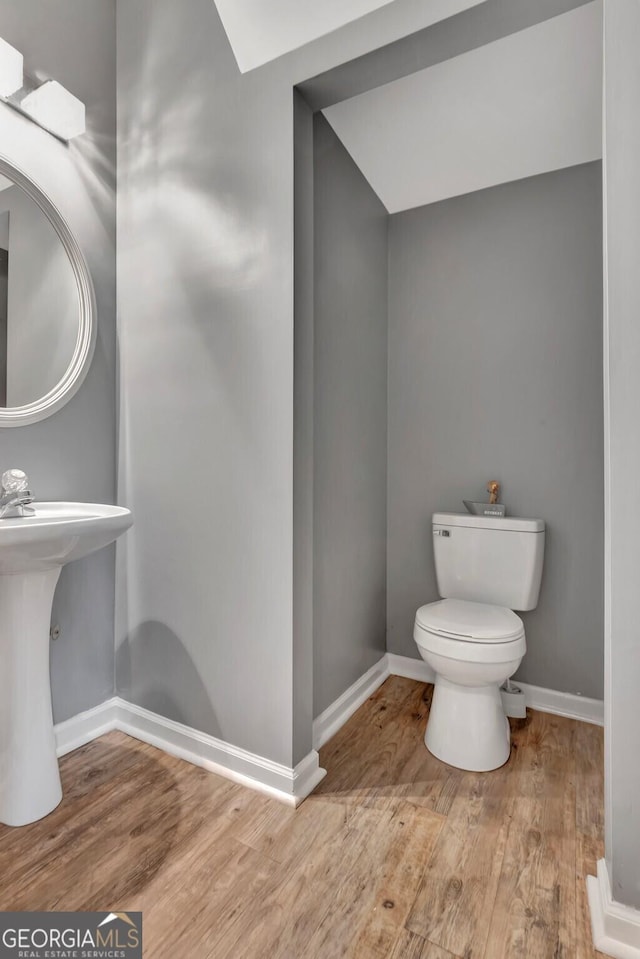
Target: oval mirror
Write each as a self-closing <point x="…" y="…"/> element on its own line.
<point x="47" y="304"/>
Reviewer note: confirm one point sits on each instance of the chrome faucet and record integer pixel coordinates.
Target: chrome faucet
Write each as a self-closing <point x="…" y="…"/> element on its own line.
<point x="16" y="495"/>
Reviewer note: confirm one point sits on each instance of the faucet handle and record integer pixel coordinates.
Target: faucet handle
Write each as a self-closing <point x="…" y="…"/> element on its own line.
<point x="14" y="481"/>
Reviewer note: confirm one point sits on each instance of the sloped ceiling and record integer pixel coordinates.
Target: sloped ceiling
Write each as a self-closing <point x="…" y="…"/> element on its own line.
<point x="262" y="30"/>
<point x="523" y="105"/>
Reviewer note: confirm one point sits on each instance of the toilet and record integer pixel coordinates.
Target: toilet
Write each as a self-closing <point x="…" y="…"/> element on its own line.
<point x="485" y="567"/>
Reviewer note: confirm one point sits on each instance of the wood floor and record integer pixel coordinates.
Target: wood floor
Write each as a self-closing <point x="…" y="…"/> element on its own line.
<point x="395" y="856"/>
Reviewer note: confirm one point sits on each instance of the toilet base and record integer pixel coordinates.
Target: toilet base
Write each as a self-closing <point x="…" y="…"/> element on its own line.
<point x="467" y="727"/>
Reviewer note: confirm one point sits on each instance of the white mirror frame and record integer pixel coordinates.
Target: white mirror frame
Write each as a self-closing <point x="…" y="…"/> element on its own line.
<point x="56" y="398"/>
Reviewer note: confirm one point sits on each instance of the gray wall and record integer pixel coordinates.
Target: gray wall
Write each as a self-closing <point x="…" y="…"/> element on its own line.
<point x="204" y="613"/>
<point x="205" y="605"/>
<point x="206" y="332"/>
<point x="71" y="456"/>
<point x="350" y="421"/>
<point x="622" y="435"/>
<point x="303" y="401"/>
<point x="495" y="372"/>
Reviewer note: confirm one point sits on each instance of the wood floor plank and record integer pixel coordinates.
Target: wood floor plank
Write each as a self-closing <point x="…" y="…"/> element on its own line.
<point x="127" y="832"/>
<point x="222" y="880"/>
<point x="395" y="880"/>
<point x="394" y="765"/>
<point x="298" y="903"/>
<point x="455" y="897"/>
<point x="534" y="910"/>
<point x="289" y="836"/>
<point x="425" y="781"/>
<point x="410" y="946"/>
<point x="588" y="851"/>
<point x="52" y="846"/>
<point x="364" y="759"/>
<point x="395" y="854"/>
<point x="384" y="706"/>
<point x="589" y="763"/>
<point x="356" y="893"/>
<point x="339" y="903"/>
<point x="264" y="827"/>
<point x="419" y="777"/>
<point x="94" y="767"/>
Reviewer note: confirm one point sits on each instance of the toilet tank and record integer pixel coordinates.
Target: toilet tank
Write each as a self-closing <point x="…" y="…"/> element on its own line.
<point x="485" y="559"/>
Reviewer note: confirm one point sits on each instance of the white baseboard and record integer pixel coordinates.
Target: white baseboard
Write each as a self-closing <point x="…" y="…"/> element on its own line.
<point x="335" y="716"/>
<point x="85" y="727"/>
<point x="280" y="782"/>
<point x="410" y="668"/>
<point x="615" y="928"/>
<point x="545" y="700"/>
<point x="563" y="704"/>
<point x="248" y="769"/>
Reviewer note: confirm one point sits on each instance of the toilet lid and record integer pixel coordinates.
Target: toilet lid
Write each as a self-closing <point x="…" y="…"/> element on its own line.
<point x="470" y="622"/>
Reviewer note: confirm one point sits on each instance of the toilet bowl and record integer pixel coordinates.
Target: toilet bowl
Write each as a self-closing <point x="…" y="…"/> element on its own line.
<point x="486" y="567"/>
<point x="472" y="648"/>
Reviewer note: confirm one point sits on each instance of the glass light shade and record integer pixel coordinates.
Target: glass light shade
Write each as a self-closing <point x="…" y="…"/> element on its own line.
<point x="55" y="109"/>
<point x="11" y="78"/>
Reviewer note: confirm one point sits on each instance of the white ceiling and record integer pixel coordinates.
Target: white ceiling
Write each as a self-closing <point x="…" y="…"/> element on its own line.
<point x="527" y="104"/>
<point x="261" y="30"/>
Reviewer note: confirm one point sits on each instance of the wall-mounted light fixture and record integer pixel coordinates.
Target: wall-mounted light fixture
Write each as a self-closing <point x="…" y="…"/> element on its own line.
<point x="48" y="104"/>
<point x="55" y="109"/>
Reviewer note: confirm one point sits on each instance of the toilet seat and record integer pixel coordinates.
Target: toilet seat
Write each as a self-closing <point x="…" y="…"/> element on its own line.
<point x="470" y="622"/>
<point x="452" y="648"/>
<point x="470" y="632"/>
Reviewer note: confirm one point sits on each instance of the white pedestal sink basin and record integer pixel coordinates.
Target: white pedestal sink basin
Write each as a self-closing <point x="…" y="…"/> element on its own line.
<point x="33" y="550"/>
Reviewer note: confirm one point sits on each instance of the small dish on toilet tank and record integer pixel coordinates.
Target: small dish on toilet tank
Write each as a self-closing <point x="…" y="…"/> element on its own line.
<point x="485" y="509"/>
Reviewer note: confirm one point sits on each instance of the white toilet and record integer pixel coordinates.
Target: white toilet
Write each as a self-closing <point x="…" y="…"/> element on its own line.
<point x="486" y="567"/>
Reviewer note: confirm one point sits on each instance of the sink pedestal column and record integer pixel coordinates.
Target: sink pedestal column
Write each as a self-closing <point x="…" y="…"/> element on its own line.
<point x="29" y="775"/>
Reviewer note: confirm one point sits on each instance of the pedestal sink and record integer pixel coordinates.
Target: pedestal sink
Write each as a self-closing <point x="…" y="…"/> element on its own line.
<point x="33" y="550"/>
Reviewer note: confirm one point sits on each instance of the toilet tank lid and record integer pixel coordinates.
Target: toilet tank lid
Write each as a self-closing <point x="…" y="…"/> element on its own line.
<point x="512" y="524"/>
